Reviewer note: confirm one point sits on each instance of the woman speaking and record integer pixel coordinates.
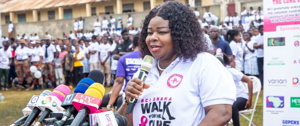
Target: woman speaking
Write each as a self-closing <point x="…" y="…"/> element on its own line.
<point x="186" y="86"/>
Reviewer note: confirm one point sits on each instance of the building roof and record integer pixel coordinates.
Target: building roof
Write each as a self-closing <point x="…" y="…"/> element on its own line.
<point x="22" y="5"/>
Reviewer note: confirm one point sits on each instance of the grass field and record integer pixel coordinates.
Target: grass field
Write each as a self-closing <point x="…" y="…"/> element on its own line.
<point x="15" y="101"/>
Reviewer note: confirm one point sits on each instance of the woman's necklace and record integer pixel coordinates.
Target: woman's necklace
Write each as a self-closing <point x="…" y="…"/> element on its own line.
<point x="159" y="66"/>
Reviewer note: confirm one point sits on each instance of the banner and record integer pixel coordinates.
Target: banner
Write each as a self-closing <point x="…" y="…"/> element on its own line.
<point x="281" y="63"/>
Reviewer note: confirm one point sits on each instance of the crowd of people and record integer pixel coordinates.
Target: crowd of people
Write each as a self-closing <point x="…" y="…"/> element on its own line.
<point x="116" y="52"/>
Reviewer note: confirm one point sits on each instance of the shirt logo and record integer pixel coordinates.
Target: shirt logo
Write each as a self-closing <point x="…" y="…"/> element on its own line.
<point x="174" y="80"/>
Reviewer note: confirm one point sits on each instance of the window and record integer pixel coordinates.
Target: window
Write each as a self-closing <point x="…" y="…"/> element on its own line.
<point x="51" y="15"/>
<point x="93" y="11"/>
<point x="68" y="13"/>
<point x="146" y="5"/>
<point x="39" y="16"/>
<point x="197" y="2"/>
<point x="7" y="19"/>
<point x="21" y="18"/>
<point x="128" y="7"/>
<point x="109" y="9"/>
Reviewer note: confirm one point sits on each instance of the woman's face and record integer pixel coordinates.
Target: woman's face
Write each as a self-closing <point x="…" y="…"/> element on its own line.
<point x="246" y="37"/>
<point x="238" y="38"/>
<point x="256" y="32"/>
<point x="159" y="40"/>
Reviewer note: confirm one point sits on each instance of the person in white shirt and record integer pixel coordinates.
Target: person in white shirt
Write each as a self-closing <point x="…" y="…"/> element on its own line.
<point x="248" y="21"/>
<point x="48" y="58"/>
<point x="22" y="56"/>
<point x="19" y="37"/>
<point x="244" y="14"/>
<point x="179" y="66"/>
<point x="243" y="99"/>
<point x="129" y="22"/>
<point x="196" y="12"/>
<point x="80" y="25"/>
<point x="235" y="19"/>
<point x="36" y="37"/>
<point x="94" y="55"/>
<point x="10" y="29"/>
<point x="5" y="62"/>
<point x="252" y="11"/>
<point x="250" y="56"/>
<point x="31" y="38"/>
<point x="49" y="36"/>
<point x="228" y="18"/>
<point x="24" y="36"/>
<point x="72" y="35"/>
<point x="86" y="34"/>
<point x="205" y="15"/>
<point x="104" y="54"/>
<point x="112" y="22"/>
<point x="259" y="46"/>
<point x="104" y="23"/>
<point x="76" y="26"/>
<point x="37" y="60"/>
<point x="234" y="37"/>
<point x="260" y="11"/>
<point x="97" y="27"/>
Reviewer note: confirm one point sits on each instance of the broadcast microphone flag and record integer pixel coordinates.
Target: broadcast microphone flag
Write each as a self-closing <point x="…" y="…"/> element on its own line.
<point x="144" y="70"/>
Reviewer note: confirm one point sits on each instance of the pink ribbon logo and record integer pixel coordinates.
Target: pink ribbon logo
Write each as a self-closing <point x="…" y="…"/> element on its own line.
<point x="144" y="121"/>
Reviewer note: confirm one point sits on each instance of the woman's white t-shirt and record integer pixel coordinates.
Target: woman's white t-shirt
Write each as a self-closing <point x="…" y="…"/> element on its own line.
<point x="237" y="77"/>
<point x="179" y="95"/>
<point x="249" y="54"/>
<point x="237" y="51"/>
<point x="36" y="53"/>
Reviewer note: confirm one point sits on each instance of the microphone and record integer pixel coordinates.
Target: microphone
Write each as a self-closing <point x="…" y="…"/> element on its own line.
<point x="144" y="70"/>
<point x="107" y="119"/>
<point x="81" y="87"/>
<point x="97" y="76"/>
<point x="26" y="112"/>
<point x="88" y="102"/>
<point x="121" y="120"/>
<point x="52" y="103"/>
<point x="33" y="105"/>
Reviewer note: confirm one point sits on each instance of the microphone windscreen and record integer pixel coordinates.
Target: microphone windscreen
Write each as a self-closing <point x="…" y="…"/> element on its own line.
<point x="96" y="90"/>
<point x="60" y="92"/>
<point x="147" y="63"/>
<point x="83" y="85"/>
<point x="121" y="120"/>
<point x="45" y="93"/>
<point x="97" y="76"/>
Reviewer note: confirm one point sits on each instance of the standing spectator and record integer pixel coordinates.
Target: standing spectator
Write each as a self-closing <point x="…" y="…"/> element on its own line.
<point x="259" y="46"/>
<point x="104" y="23"/>
<point x="97" y="27"/>
<point x="196" y="12"/>
<point x="228" y="19"/>
<point x="129" y="22"/>
<point x="24" y="36"/>
<point x="31" y="38"/>
<point x="80" y="26"/>
<point x="10" y="29"/>
<point x="112" y="22"/>
<point x="260" y="11"/>
<point x="235" y="19"/>
<point x="5" y="61"/>
<point x="234" y="38"/>
<point x="94" y="55"/>
<point x="104" y="54"/>
<point x="247" y="23"/>
<point x="48" y="59"/>
<point x="120" y="23"/>
<point x="76" y="26"/>
<point x="78" y="65"/>
<point x="218" y="43"/>
<point x="37" y="61"/>
<point x="49" y="36"/>
<point x="86" y="65"/>
<point x="205" y="15"/>
<point x="36" y="37"/>
<point x="58" y="68"/>
<point x="252" y="11"/>
<point x="244" y="14"/>
<point x="12" y="70"/>
<point x="19" y="37"/>
<point x="67" y="64"/>
<point x="124" y="47"/>
<point x="22" y="63"/>
<point x="250" y="56"/>
<point x="72" y="35"/>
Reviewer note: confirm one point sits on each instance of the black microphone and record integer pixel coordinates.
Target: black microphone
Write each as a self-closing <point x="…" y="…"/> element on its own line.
<point x="97" y="76"/>
<point x="144" y="70"/>
<point x="20" y="121"/>
<point x="121" y="120"/>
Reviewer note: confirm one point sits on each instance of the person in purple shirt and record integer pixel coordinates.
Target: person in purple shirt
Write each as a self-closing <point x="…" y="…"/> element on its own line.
<point x="128" y="65"/>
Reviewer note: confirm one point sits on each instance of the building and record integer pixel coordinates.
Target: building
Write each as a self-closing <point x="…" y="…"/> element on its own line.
<point x="56" y="16"/>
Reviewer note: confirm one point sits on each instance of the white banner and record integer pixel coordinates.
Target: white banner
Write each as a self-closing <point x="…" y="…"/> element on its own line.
<point x="281" y="63"/>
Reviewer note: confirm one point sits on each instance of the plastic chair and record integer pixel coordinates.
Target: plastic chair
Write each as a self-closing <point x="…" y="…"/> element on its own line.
<point x="256" y="89"/>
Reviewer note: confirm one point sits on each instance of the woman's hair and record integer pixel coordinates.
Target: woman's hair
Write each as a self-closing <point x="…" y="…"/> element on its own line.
<point x="185" y="29"/>
<point x="230" y="35"/>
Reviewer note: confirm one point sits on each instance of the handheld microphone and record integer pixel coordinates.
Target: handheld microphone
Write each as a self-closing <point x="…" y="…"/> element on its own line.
<point x="81" y="87"/>
<point x="121" y="120"/>
<point x="107" y="118"/>
<point x="52" y="103"/>
<point x="144" y="70"/>
<point x="87" y="102"/>
<point x="97" y="76"/>
<point x="33" y="105"/>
